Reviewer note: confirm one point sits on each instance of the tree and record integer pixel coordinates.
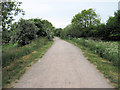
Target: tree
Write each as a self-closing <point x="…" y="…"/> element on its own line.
<point x="9" y="10"/>
<point x="85" y="23"/>
<point x="86" y="18"/>
<point x="78" y="20"/>
<point x="113" y="27"/>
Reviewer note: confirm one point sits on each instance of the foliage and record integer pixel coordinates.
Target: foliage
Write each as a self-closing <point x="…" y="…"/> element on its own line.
<point x="24" y="32"/>
<point x="113" y="27"/>
<point x="6" y="37"/>
<point x="49" y="29"/>
<point x="45" y="28"/>
<point x="9" y="10"/>
<point x="101" y="30"/>
<point x="86" y="18"/>
<point x="87" y="24"/>
<point x="39" y="23"/>
<point x="57" y="32"/>
<point x="83" y="24"/>
<point x="14" y="52"/>
<point x="110" y="30"/>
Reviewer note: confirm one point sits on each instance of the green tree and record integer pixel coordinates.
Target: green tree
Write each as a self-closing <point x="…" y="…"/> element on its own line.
<point x="85" y="23"/>
<point x="86" y="18"/>
<point x="113" y="27"/>
<point x="9" y="10"/>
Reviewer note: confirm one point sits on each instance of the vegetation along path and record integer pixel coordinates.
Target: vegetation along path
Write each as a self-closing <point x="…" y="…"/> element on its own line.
<point x="63" y="66"/>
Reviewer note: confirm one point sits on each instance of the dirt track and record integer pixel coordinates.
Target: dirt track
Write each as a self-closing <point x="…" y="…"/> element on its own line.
<point x="63" y="66"/>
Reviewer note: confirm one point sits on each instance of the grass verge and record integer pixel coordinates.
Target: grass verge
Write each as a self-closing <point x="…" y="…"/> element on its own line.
<point x="14" y="52"/>
<point x="107" y="68"/>
<point x="17" y="68"/>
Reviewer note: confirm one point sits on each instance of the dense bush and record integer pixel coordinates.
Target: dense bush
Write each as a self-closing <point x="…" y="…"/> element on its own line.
<point x="49" y="29"/>
<point x="39" y="23"/>
<point x="107" y="50"/>
<point x="24" y="32"/>
<point x="6" y="37"/>
<point x="45" y="28"/>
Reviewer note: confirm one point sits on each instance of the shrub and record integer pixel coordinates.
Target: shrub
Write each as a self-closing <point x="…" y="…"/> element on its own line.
<point x="24" y="32"/>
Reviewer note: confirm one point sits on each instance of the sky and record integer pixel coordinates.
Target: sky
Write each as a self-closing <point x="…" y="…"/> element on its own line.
<point x="61" y="12"/>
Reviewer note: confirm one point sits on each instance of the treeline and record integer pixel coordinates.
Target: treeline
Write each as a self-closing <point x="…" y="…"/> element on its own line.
<point x="87" y="24"/>
<point x="23" y="31"/>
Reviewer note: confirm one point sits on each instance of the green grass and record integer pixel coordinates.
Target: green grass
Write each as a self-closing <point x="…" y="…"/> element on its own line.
<point x="107" y="68"/>
<point x="107" y="50"/>
<point x="17" y="68"/>
<point x="14" y="52"/>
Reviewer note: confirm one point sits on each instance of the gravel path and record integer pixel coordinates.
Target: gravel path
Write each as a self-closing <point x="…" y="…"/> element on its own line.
<point x="63" y="66"/>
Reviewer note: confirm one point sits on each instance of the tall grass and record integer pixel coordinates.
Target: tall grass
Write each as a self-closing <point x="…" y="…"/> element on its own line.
<point x="107" y="50"/>
<point x="13" y="52"/>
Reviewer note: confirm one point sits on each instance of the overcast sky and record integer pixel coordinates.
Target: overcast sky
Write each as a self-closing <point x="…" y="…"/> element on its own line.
<point x="60" y="12"/>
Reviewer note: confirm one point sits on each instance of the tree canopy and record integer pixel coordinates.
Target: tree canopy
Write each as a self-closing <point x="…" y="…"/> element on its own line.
<point x="86" y="18"/>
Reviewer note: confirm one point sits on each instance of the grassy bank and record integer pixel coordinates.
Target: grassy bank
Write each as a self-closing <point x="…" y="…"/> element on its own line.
<point x="103" y="61"/>
<point x="107" y="50"/>
<point x="12" y="52"/>
<point x="16" y="68"/>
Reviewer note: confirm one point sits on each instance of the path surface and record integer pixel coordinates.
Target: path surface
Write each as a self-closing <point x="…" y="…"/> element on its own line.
<point x="63" y="66"/>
